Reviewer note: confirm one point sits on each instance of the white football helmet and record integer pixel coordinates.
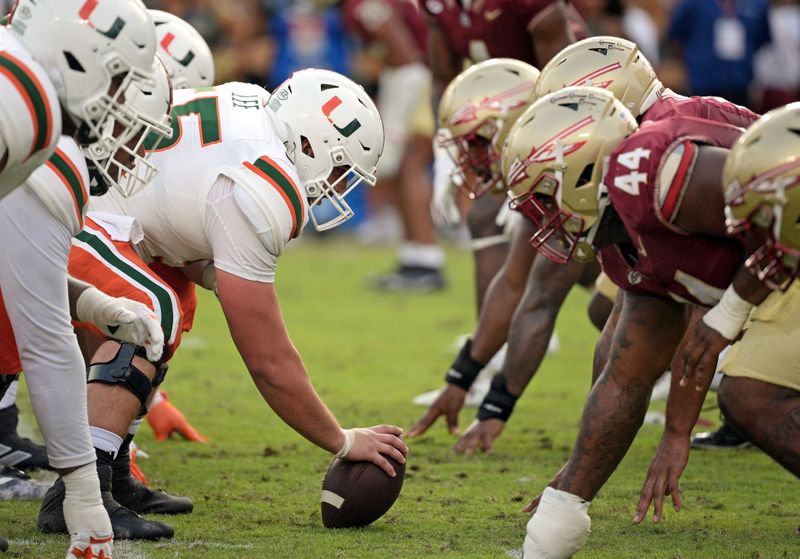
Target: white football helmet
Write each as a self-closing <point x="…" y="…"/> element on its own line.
<point x="128" y="169"/>
<point x="184" y="51"/>
<point x="333" y="135"/>
<point x="92" y="50"/>
<point x="553" y="164"/>
<point x="608" y="62"/>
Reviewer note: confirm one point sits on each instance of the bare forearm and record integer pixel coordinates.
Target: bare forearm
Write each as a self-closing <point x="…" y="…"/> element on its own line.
<point x="292" y="396"/>
<point x="74" y="289"/>
<point x="497" y="311"/>
<point x="603" y="346"/>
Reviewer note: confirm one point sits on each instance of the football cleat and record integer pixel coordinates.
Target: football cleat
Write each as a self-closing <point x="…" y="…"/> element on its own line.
<point x="137" y="496"/>
<point x="16" y="485"/>
<point x="16" y="451"/>
<point x="127" y="525"/>
<point x="724" y="438"/>
<point x="411" y="278"/>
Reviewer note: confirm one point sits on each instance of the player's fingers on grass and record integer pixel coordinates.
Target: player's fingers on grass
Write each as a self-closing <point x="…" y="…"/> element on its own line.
<point x="675" y="492"/>
<point x="424" y="424"/>
<point x="659" y="490"/>
<point x="645" y="498"/>
<point x="704" y="370"/>
<point x="452" y="421"/>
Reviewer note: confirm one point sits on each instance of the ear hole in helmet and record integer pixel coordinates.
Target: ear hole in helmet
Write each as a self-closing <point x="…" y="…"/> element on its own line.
<point x="305" y="145"/>
<point x="586" y="175"/>
<point x="326" y="86"/>
<point x="73" y="63"/>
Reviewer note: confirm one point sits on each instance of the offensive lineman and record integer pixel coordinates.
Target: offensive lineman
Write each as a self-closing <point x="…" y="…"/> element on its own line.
<point x="260" y="168"/>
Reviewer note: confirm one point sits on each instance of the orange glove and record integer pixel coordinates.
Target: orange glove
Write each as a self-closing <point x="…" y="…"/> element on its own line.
<point x="166" y="419"/>
<point x="136" y="471"/>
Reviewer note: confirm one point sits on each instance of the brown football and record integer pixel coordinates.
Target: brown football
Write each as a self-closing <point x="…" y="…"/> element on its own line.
<point x="355" y="494"/>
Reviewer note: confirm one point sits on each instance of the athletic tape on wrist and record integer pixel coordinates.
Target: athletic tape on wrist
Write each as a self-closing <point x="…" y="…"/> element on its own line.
<point x="464" y="369"/>
<point x="498" y="402"/>
<point x="349" y="439"/>
<point x="729" y="315"/>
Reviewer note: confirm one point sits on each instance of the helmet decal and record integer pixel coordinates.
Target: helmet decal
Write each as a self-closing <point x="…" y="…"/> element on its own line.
<point x="113" y="31"/>
<point x="329" y="107"/>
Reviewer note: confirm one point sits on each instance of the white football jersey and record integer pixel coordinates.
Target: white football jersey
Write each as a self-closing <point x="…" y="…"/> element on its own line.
<point x="62" y="184"/>
<point x="30" y="114"/>
<point x="216" y="131"/>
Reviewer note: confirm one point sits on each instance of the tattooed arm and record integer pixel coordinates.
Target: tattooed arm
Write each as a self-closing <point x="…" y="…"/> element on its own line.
<point x="646" y="336"/>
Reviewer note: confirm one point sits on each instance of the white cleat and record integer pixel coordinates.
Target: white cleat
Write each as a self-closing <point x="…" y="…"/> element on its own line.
<point x="16" y="485"/>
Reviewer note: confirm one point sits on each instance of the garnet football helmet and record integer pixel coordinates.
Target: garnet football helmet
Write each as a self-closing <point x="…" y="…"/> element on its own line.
<point x="762" y="193"/>
<point x="183" y="51"/>
<point x="333" y="135"/>
<point x="608" y="62"/>
<point x="553" y="164"/>
<point x="475" y="114"/>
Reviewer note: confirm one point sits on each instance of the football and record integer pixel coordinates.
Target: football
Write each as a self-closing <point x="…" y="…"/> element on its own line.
<point x="356" y="494"/>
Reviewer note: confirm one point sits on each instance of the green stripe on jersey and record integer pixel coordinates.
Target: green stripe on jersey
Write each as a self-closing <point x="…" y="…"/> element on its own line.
<point x="72" y="179"/>
<point x="287" y="187"/>
<point x="161" y="294"/>
<point x="36" y="97"/>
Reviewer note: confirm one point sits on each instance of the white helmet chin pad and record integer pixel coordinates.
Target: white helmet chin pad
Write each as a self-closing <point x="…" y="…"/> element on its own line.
<point x="335" y="138"/>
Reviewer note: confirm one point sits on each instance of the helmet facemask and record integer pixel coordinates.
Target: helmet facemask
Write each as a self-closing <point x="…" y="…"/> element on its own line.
<point x="119" y="159"/>
<point x="478" y="152"/>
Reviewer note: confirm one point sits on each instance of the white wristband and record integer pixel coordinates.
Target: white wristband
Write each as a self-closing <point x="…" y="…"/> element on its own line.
<point x="88" y="305"/>
<point x="729" y="315"/>
<point x="349" y="439"/>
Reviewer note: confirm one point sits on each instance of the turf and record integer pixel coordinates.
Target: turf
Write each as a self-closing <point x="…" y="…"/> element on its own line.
<point x="256" y="484"/>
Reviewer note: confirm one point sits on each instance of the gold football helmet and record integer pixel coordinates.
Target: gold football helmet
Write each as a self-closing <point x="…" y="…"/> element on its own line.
<point x="608" y="62"/>
<point x="553" y="164"/>
<point x="475" y="114"/>
<point x="762" y="193"/>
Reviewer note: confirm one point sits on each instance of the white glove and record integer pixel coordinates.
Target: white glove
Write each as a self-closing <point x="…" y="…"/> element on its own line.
<point x="122" y="319"/>
<point x="90" y="547"/>
<point x="445" y="182"/>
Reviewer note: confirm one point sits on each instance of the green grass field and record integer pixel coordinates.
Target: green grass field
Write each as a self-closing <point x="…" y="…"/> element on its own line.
<point x="256" y="484"/>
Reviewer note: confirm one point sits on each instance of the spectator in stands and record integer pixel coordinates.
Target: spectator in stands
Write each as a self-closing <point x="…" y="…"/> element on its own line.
<point x="718" y="40"/>
<point x="777" y="65"/>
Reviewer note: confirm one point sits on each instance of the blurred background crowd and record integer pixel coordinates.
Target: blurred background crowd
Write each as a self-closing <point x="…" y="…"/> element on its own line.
<point x="262" y="41"/>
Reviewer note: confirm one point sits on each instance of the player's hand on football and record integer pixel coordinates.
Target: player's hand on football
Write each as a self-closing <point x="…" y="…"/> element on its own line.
<point x="447" y="404"/>
<point x="373" y="444"/>
<point x="698" y="355"/>
<point x="663" y="477"/>
<point x="479" y="435"/>
<point x="84" y="545"/>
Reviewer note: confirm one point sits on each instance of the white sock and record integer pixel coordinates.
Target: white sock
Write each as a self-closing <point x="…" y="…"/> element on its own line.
<point x="133" y="428"/>
<point x="418" y="254"/>
<point x="105" y="440"/>
<point x="10" y="397"/>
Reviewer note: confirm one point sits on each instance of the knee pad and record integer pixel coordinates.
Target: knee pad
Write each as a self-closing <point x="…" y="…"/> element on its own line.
<point x="5" y="382"/>
<point x="121" y="370"/>
<point x="559" y="527"/>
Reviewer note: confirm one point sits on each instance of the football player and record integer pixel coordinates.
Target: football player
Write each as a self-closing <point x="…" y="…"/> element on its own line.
<point x="397" y="30"/>
<point x="648" y="199"/>
<point x="92" y="53"/>
<point x="462" y="32"/>
<point x="261" y="167"/>
<point x="619" y="66"/>
<point x="760" y="392"/>
<point x="476" y="111"/>
<point x="189" y="63"/>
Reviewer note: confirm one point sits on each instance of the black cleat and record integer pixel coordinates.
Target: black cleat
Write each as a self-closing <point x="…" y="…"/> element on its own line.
<point x="138" y="497"/>
<point x="3" y="544"/>
<point x="724" y="438"/>
<point x="411" y="278"/>
<point x="16" y="451"/>
<point x="127" y="525"/>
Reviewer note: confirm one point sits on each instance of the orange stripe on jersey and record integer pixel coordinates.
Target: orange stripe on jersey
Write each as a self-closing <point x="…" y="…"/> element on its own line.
<point x="61" y="165"/>
<point x="675" y="191"/>
<point x="271" y="172"/>
<point x="34" y="96"/>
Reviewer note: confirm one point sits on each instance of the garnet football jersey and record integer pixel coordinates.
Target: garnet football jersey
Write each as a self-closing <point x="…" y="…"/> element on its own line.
<point x="365" y="17"/>
<point x="670" y="104"/>
<point x="488" y="29"/>
<point x="646" y="177"/>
